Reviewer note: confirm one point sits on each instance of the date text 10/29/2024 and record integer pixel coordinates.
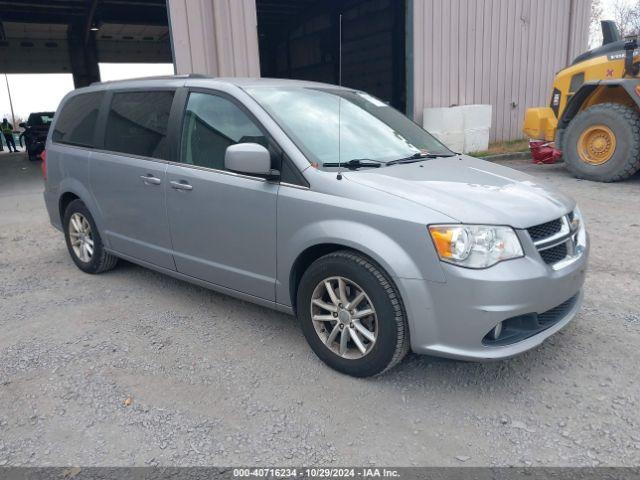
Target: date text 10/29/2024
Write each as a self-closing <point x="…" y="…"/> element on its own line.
<point x="315" y="472"/>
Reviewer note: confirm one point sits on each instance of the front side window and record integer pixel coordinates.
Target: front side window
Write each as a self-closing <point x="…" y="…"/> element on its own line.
<point x="211" y="124"/>
<point x="77" y="121"/>
<point x="138" y="122"/>
<point x="337" y="125"/>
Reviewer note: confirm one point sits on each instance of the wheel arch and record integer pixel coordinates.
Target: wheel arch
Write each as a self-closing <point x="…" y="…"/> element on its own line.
<point x="72" y="189"/>
<point x="63" y="202"/>
<point x="622" y="91"/>
<point x="304" y="260"/>
<point x="384" y="251"/>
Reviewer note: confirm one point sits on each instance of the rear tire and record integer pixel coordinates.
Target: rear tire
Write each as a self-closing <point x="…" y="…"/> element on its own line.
<point x="613" y="118"/>
<point x="386" y="340"/>
<point x="83" y="240"/>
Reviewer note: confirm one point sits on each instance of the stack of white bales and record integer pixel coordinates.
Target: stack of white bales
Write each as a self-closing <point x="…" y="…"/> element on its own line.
<point x="463" y="128"/>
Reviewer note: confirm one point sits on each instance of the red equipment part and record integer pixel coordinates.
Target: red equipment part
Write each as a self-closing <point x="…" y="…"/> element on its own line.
<point x="543" y="152"/>
<point x="43" y="157"/>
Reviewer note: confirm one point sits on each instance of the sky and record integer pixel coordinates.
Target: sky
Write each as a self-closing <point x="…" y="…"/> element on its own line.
<point x="607" y="6"/>
<point x="43" y="92"/>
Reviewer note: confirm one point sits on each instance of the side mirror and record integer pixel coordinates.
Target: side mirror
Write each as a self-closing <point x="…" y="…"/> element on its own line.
<point x="250" y="158"/>
<point x="22" y="125"/>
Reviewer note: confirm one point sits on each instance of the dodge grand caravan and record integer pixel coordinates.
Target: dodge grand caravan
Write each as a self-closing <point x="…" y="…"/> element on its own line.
<point x="319" y="201"/>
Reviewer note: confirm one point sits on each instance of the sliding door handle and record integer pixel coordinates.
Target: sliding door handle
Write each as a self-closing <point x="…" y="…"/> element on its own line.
<point x="150" y="179"/>
<point x="181" y="185"/>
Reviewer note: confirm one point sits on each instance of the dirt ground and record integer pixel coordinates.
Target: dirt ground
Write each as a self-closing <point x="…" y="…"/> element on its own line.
<point x="134" y="368"/>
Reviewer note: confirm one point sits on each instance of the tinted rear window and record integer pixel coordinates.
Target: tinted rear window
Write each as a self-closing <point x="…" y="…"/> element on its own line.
<point x="77" y="121"/>
<point x="39" y="119"/>
<point x="138" y="123"/>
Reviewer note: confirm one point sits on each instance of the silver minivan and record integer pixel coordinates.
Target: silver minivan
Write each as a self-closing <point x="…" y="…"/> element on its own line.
<point x="319" y="201"/>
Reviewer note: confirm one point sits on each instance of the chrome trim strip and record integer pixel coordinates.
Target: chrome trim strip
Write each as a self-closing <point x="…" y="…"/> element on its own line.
<point x="127" y="155"/>
<point x="554" y="244"/>
<point x="215" y="170"/>
<point x="293" y="185"/>
<point x="169" y="162"/>
<point x="578" y="247"/>
<point x="565" y="231"/>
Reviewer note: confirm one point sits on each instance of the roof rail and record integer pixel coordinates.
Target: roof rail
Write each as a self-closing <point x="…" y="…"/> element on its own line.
<point x="157" y="77"/>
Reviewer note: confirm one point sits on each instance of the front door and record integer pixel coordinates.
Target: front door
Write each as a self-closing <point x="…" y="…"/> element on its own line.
<point x="128" y="176"/>
<point x="223" y="225"/>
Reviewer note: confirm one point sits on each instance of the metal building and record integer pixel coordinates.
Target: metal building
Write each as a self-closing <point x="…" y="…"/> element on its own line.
<point x="411" y="53"/>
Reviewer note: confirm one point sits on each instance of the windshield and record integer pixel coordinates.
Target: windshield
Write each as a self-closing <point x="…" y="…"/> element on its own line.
<point x="334" y="126"/>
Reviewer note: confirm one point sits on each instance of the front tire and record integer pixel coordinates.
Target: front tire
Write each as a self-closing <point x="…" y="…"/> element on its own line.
<point x="352" y="315"/>
<point x="602" y="143"/>
<point x="83" y="240"/>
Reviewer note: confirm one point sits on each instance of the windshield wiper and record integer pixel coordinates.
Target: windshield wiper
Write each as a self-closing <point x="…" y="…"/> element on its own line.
<point x="356" y="163"/>
<point x="416" y="157"/>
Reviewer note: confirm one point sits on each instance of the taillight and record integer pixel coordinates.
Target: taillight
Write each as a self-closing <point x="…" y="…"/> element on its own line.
<point x="43" y="157"/>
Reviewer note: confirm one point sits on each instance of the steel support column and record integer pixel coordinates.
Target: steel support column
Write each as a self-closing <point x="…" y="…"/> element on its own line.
<point x="83" y="53"/>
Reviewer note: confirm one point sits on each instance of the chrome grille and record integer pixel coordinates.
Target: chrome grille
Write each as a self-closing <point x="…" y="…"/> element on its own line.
<point x="555" y="240"/>
<point x="554" y="254"/>
<point x="544" y="230"/>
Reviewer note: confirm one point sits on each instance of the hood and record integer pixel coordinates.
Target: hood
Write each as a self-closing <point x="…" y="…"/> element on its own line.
<point x="470" y="190"/>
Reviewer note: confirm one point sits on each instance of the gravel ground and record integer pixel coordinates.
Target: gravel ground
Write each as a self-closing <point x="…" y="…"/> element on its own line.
<point x="134" y="368"/>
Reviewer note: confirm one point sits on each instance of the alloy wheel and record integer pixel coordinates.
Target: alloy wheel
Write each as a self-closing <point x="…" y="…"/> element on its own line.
<point x="81" y="237"/>
<point x="344" y="317"/>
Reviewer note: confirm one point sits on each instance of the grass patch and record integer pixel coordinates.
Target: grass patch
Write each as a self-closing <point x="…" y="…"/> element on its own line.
<point x="497" y="148"/>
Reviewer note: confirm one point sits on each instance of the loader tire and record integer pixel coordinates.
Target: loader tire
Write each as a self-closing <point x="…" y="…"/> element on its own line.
<point x="602" y="143"/>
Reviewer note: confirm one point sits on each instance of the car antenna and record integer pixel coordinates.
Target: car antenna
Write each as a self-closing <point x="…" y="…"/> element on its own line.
<point x="339" y="176"/>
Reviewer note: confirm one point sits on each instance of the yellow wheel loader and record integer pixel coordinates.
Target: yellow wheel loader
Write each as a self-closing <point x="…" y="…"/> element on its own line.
<point x="594" y="114"/>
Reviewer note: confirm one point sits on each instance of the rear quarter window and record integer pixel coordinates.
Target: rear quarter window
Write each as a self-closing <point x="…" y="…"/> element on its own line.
<point x="77" y="120"/>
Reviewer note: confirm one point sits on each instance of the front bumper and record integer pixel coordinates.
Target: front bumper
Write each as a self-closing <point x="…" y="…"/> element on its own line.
<point x="451" y="319"/>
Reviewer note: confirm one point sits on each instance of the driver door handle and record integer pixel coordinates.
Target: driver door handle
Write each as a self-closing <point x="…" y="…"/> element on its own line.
<point x="181" y="185"/>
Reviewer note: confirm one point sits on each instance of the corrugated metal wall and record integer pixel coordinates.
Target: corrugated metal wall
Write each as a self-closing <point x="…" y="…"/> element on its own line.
<point x="499" y="52"/>
<point x="215" y="37"/>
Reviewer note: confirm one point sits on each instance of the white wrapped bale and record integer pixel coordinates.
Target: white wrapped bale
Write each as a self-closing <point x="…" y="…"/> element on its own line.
<point x="462" y="128"/>
<point x="476" y="140"/>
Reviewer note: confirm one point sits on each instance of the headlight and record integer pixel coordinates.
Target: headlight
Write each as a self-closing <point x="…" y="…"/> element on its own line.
<point x="577" y="220"/>
<point x="475" y="246"/>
